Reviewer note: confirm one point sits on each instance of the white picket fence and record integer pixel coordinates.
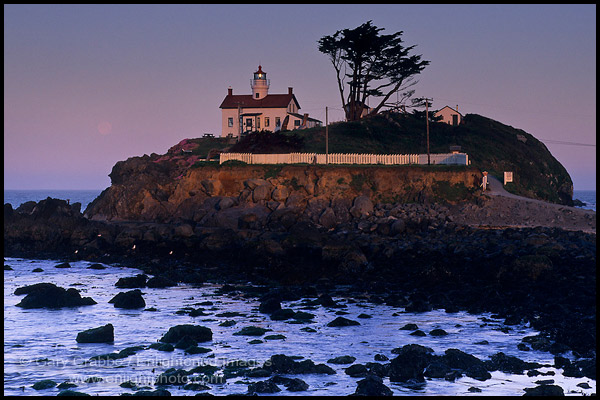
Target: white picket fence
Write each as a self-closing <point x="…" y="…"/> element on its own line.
<point x="337" y="158"/>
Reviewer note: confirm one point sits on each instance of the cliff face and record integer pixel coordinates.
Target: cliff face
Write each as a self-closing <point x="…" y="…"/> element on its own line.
<point x="147" y="189"/>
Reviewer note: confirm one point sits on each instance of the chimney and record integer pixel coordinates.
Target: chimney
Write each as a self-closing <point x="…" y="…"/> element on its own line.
<point x="457" y="108"/>
<point x="290" y="90"/>
<point x="229" y="91"/>
<point x="305" y="119"/>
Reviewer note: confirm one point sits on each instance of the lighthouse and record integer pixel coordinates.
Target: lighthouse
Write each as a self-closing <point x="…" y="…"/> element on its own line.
<point x="260" y="84"/>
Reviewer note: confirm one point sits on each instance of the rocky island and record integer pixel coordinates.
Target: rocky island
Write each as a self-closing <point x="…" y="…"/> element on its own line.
<point x="417" y="237"/>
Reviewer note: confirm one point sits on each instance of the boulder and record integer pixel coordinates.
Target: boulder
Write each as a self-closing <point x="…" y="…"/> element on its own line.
<point x="160" y="282"/>
<point x="356" y="371"/>
<point x="362" y="206"/>
<point x="129" y="300"/>
<point x="132" y="282"/>
<point x="63" y="265"/>
<point x="251" y="331"/>
<point x="544" y="390"/>
<point x="341" y="321"/>
<point x="342" y="360"/>
<point x="172" y="376"/>
<point x="410" y="363"/>
<point x="373" y="386"/>
<point x="44" y="384"/>
<point x="270" y="305"/>
<point x="102" y="334"/>
<point x="267" y="386"/>
<point x="196" y="332"/>
<point x="48" y="295"/>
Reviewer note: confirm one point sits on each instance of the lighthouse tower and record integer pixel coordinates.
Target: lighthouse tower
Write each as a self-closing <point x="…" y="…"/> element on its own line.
<point x="260" y="84"/>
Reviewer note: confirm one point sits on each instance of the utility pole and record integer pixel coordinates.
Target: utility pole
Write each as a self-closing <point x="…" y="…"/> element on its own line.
<point x="427" y="122"/>
<point x="326" y="137"/>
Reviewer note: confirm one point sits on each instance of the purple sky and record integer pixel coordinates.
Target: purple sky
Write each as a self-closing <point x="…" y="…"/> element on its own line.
<point x="86" y="86"/>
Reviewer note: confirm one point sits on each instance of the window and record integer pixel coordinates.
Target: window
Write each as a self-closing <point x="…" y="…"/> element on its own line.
<point x="297" y="122"/>
<point x="266" y="122"/>
<point x="256" y="95"/>
<point x="248" y="124"/>
<point x="230" y="122"/>
<point x="277" y="121"/>
<point x="257" y="122"/>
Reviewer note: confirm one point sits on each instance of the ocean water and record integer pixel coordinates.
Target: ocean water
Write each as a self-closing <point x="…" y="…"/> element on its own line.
<point x="586" y="196"/>
<point x="40" y="343"/>
<point x="18" y="197"/>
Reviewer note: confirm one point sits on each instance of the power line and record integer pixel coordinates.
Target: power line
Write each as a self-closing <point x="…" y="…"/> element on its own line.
<point x="550" y="141"/>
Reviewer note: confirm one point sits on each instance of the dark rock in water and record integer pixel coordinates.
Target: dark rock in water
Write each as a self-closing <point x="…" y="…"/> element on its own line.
<point x="93" y="379"/>
<point x="66" y="385"/>
<point x="282" y="314"/>
<point x="196" y="387"/>
<point x="478" y="371"/>
<point x="8" y="268"/>
<point x="372" y="386"/>
<point x="269" y="306"/>
<point x="418" y="332"/>
<point x="96" y="266"/>
<point x="509" y="364"/>
<point x="251" y="331"/>
<point x="63" y="265"/>
<point x="157" y="392"/>
<point x="267" y="386"/>
<point x="255" y="341"/>
<point x="275" y="337"/>
<point x="37" y="270"/>
<point x="47" y="295"/>
<point x="410" y="327"/>
<point x="326" y="301"/>
<point x="69" y="392"/>
<point x="544" y="390"/>
<point x="356" y="371"/>
<point x="303" y="316"/>
<point x="341" y="321"/>
<point x="282" y="364"/>
<point x="436" y="370"/>
<point x="44" y="384"/>
<point x="129" y="300"/>
<point x="473" y="389"/>
<point x="185" y="342"/>
<point x="438" y="332"/>
<point x="160" y="282"/>
<point x="342" y="360"/>
<point x="381" y="357"/>
<point x="198" y="333"/>
<point x="457" y="359"/>
<point x="162" y="346"/>
<point x="132" y="282"/>
<point x="227" y="323"/>
<point x="197" y="350"/>
<point x="364" y="316"/>
<point x="291" y="384"/>
<point x="258" y="373"/>
<point x="410" y="363"/>
<point x="103" y="334"/>
<point x="172" y="376"/>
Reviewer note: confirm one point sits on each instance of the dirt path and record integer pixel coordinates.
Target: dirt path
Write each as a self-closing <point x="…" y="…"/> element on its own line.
<point x="503" y="209"/>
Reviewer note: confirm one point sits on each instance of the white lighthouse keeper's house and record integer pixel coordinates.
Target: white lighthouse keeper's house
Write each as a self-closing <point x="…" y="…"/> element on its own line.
<point x="243" y="113"/>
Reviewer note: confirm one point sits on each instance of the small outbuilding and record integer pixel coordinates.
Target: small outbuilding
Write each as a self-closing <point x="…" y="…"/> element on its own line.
<point x="449" y="116"/>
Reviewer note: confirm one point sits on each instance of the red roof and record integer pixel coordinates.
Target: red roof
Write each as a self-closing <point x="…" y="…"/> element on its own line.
<point x="269" y="101"/>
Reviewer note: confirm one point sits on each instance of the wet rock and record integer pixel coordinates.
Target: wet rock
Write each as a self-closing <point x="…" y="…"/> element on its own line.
<point x="544" y="390"/>
<point x="66" y="385"/>
<point x="362" y="206"/>
<point x="436" y="369"/>
<point x="410" y="327"/>
<point x="48" y="295"/>
<point x="102" y="334"/>
<point x="196" y="387"/>
<point x="282" y="314"/>
<point x="172" y="376"/>
<point x="356" y="371"/>
<point x="96" y="266"/>
<point x="160" y="282"/>
<point x="410" y="363"/>
<point x="251" y="331"/>
<point x="438" y="332"/>
<point x="508" y="364"/>
<point x="479" y="372"/>
<point x="372" y="386"/>
<point x="63" y="265"/>
<point x="303" y="316"/>
<point x="341" y="321"/>
<point x="418" y="332"/>
<point x="128" y="300"/>
<point x="162" y="346"/>
<point x="291" y="384"/>
<point x="275" y="337"/>
<point x="132" y="282"/>
<point x="474" y="389"/>
<point x="267" y="386"/>
<point x="381" y="357"/>
<point x="69" y="393"/>
<point x="37" y="270"/>
<point x="269" y="306"/>
<point x="44" y="384"/>
<point x="185" y="342"/>
<point x="364" y="316"/>
<point x="196" y="350"/>
<point x="458" y="359"/>
<point x="342" y="360"/>
<point x="282" y="364"/>
<point x="196" y="332"/>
